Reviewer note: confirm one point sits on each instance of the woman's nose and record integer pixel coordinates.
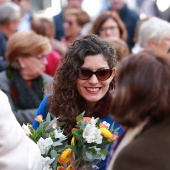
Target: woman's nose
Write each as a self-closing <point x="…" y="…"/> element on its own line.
<point x="93" y="79"/>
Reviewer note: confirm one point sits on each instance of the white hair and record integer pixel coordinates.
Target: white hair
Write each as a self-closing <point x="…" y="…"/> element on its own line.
<point x="153" y="28"/>
<point x="9" y="11"/>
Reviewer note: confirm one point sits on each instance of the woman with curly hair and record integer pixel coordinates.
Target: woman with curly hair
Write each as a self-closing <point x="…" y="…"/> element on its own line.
<point x="83" y="83"/>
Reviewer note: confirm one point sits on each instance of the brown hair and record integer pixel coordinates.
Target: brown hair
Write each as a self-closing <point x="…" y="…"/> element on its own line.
<point x="25" y="44"/>
<point x="103" y="17"/>
<point x="66" y="102"/>
<point x="82" y="16"/>
<point x="143" y="89"/>
<point x="43" y="26"/>
<point x="120" y="46"/>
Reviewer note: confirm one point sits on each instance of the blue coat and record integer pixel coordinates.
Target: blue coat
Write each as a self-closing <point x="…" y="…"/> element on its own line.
<point x="3" y="43"/>
<point x="43" y="110"/>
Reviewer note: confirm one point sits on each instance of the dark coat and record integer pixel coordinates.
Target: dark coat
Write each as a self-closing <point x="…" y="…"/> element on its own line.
<point x="148" y="151"/>
<point x="58" y="22"/>
<point x="130" y="19"/>
<point x="3" y="44"/>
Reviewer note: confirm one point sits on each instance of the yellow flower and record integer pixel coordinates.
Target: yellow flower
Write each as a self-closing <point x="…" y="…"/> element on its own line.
<point x="107" y="134"/>
<point x="39" y="118"/>
<point x="73" y="141"/>
<point x="69" y="167"/>
<point x="65" y="156"/>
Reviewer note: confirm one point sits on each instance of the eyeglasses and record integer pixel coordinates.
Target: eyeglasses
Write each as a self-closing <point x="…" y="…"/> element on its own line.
<point x="70" y="23"/>
<point x="102" y="75"/>
<point x="111" y="28"/>
<point x="40" y="57"/>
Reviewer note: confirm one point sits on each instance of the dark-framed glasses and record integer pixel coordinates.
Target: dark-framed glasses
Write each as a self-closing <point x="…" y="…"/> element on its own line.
<point x="102" y="74"/>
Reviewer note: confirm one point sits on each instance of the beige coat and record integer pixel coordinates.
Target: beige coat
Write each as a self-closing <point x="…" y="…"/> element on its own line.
<point x="17" y="151"/>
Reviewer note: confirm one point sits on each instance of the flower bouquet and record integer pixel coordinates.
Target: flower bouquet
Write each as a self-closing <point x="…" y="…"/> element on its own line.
<point x="50" y="139"/>
<point x="89" y="145"/>
<point x="90" y="142"/>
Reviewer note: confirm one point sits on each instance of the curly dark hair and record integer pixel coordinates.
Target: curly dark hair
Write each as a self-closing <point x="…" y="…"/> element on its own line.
<point x="65" y="101"/>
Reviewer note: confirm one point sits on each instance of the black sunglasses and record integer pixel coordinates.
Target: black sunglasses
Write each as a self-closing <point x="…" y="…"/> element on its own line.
<point x="102" y="75"/>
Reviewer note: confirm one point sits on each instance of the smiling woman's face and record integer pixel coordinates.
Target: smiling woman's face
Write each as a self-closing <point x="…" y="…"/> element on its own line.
<point x="93" y="89"/>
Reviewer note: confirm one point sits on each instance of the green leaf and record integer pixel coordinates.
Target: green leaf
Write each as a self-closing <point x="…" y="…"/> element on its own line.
<point x="89" y="155"/>
<point x="57" y="143"/>
<point x="103" y="157"/>
<point x="61" y="148"/>
<point x="48" y="118"/>
<point x="53" y="154"/>
<point x="51" y="123"/>
<point x="80" y="116"/>
<point x="77" y="132"/>
<point x="73" y="148"/>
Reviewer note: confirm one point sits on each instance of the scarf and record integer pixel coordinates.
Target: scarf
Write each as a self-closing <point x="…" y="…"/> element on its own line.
<point x="101" y="109"/>
<point x="25" y="97"/>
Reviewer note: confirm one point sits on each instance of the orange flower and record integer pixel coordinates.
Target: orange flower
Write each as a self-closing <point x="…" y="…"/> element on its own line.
<point x="114" y="137"/>
<point x="84" y="119"/>
<point x="54" y="125"/>
<point x="102" y="125"/>
<point x="39" y="118"/>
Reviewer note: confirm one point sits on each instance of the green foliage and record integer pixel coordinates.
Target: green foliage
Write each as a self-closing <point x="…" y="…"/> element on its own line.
<point x="88" y="152"/>
<point x="46" y="130"/>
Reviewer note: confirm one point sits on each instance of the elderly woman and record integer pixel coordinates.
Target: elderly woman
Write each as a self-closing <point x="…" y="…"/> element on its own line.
<point x="154" y="33"/>
<point x="109" y="24"/>
<point x="142" y="106"/>
<point x="24" y="80"/>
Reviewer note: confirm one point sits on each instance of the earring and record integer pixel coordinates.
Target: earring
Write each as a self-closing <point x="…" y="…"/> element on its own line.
<point x="22" y="65"/>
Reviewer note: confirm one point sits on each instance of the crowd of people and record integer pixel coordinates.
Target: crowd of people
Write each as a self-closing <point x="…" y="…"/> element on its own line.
<point x="115" y="67"/>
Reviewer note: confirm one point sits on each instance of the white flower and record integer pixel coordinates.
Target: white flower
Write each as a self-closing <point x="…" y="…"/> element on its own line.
<point x="44" y="144"/>
<point x="26" y="129"/>
<point x="106" y="123"/>
<point x="93" y="121"/>
<point x="46" y="163"/>
<point x="59" y="135"/>
<point x="48" y="142"/>
<point x="92" y="134"/>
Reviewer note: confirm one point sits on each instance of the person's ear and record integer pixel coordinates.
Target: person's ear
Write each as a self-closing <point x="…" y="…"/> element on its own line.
<point x="21" y="62"/>
<point x="152" y="43"/>
<point x="113" y="72"/>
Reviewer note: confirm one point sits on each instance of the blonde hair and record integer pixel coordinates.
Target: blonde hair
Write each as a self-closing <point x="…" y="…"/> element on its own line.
<point x="82" y="16"/>
<point x="25" y="44"/>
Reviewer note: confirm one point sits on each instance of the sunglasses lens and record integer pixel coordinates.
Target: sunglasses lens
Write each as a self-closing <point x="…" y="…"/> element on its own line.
<point x="84" y="74"/>
<point x="103" y="74"/>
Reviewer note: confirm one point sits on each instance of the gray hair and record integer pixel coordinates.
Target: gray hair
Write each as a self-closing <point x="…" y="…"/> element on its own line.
<point x="153" y="28"/>
<point x="9" y="11"/>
